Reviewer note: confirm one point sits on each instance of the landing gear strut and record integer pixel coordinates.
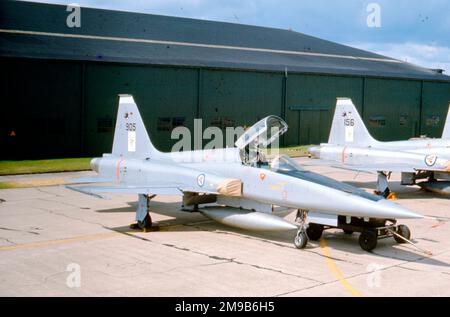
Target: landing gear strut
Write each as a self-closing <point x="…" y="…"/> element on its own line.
<point x="143" y="218"/>
<point x="383" y="186"/>
<point x="146" y="223"/>
<point x="301" y="238"/>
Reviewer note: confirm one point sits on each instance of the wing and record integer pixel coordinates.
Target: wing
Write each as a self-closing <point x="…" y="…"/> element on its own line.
<point x="372" y="168"/>
<point x="159" y="188"/>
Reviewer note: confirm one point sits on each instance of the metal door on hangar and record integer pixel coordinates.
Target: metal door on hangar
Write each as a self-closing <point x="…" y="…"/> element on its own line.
<point x="313" y="121"/>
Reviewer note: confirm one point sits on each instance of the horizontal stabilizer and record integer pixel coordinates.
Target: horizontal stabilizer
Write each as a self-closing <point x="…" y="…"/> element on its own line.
<point x="82" y="191"/>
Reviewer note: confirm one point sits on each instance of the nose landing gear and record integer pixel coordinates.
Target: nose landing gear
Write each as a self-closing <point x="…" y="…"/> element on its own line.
<point x="301" y="238"/>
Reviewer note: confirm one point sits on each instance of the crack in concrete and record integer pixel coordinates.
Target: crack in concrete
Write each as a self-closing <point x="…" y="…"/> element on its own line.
<point x="219" y="258"/>
<point x="64" y="203"/>
<point x="409" y="269"/>
<point x="69" y="217"/>
<point x="303" y="289"/>
<point x="385" y="268"/>
<point x="39" y="189"/>
<point x="273" y="243"/>
<point x="9" y="241"/>
<point x="17" y="230"/>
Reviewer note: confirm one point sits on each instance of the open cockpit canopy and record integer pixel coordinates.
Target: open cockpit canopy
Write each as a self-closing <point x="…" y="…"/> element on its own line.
<point x="263" y="132"/>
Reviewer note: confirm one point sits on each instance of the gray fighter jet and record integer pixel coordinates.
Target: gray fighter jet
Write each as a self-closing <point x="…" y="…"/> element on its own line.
<point x="238" y="189"/>
<point x="351" y="146"/>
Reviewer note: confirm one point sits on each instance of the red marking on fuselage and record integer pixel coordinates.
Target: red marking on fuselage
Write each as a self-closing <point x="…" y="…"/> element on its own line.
<point x="118" y="169"/>
<point x="343" y="154"/>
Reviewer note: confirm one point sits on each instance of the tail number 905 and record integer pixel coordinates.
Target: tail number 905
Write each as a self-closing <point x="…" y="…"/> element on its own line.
<point x="130" y="126"/>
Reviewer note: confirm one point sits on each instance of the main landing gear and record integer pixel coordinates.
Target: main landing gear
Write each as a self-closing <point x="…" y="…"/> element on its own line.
<point x="143" y="218"/>
<point x="383" y="186"/>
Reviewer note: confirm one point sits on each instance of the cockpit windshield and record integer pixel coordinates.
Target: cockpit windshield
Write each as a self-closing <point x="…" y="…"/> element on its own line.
<point x="285" y="164"/>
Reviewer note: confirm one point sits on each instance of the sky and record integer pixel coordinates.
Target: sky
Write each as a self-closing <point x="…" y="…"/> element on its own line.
<point x="415" y="31"/>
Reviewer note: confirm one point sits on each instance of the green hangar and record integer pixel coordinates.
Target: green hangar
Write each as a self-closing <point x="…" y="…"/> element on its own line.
<point x="60" y="81"/>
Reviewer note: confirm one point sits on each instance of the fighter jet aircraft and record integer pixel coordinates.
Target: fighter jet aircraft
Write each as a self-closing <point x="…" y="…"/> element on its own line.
<point x="238" y="189"/>
<point x="351" y="146"/>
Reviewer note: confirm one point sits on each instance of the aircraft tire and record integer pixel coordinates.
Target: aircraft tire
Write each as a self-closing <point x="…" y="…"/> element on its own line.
<point x="314" y="231"/>
<point x="404" y="232"/>
<point x="368" y="240"/>
<point x="300" y="240"/>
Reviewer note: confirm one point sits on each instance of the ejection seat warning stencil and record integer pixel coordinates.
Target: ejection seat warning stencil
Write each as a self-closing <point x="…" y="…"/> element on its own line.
<point x="131" y="141"/>
<point x="349" y="134"/>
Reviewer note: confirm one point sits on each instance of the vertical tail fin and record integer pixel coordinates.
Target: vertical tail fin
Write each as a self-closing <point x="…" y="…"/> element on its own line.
<point x="446" y="133"/>
<point x="131" y="139"/>
<point x="348" y="127"/>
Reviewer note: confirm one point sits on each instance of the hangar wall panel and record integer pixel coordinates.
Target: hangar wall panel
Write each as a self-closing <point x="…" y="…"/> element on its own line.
<point x="392" y="108"/>
<point x="436" y="99"/>
<point x="230" y="98"/>
<point x="165" y="96"/>
<point x="310" y="105"/>
<point x="40" y="109"/>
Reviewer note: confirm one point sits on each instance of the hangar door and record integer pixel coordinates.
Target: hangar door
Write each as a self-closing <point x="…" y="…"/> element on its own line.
<point x="310" y="103"/>
<point x="313" y="121"/>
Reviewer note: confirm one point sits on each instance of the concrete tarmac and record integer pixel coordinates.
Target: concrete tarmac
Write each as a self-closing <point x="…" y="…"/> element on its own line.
<point x="56" y="242"/>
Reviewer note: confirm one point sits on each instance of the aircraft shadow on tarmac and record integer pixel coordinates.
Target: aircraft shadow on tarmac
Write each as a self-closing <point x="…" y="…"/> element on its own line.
<point x="336" y="240"/>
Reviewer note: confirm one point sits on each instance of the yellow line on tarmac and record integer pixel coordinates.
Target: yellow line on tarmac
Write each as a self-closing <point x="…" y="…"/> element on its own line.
<point x="337" y="273"/>
<point x="47" y="243"/>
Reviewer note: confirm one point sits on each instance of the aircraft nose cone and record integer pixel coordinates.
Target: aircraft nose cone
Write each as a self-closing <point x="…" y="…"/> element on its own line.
<point x="396" y="211"/>
<point x="95" y="164"/>
<point x="314" y="152"/>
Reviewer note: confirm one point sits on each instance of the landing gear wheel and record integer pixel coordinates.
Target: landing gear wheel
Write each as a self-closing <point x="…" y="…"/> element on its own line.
<point x="349" y="232"/>
<point x="368" y="240"/>
<point x="146" y="223"/>
<point x="404" y="232"/>
<point x="314" y="231"/>
<point x="300" y="240"/>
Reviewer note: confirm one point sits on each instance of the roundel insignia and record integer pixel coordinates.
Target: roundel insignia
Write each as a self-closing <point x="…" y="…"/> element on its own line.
<point x="201" y="180"/>
<point x="430" y="160"/>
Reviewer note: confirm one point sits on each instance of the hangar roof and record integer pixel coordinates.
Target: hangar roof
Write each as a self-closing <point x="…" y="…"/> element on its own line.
<point x="38" y="30"/>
